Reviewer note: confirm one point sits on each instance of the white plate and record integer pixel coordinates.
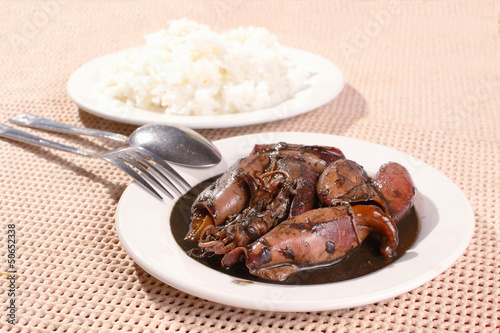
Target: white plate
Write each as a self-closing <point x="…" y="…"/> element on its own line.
<point x="325" y="85"/>
<point x="447" y="224"/>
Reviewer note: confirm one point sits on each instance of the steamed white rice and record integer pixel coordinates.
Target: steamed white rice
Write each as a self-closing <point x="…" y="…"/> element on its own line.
<point x="191" y="70"/>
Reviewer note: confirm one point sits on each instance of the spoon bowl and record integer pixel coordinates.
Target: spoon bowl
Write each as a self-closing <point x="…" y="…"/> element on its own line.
<point x="176" y="144"/>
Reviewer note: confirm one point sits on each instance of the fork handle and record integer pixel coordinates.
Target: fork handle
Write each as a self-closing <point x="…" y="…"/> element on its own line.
<point x="31" y="120"/>
<point x="15" y="134"/>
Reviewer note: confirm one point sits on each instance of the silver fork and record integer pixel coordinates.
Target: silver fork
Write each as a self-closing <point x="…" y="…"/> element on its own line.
<point x="154" y="171"/>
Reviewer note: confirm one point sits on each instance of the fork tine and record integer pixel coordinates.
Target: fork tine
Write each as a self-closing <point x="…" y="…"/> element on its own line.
<point x="136" y="161"/>
<point x="148" y="154"/>
<point x="120" y="164"/>
<point x="149" y="174"/>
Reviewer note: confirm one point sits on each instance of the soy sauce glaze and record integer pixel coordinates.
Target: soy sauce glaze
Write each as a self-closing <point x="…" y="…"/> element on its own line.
<point x="365" y="259"/>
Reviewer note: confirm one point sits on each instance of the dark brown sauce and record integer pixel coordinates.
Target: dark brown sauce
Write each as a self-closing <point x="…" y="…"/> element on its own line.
<point x="365" y="259"/>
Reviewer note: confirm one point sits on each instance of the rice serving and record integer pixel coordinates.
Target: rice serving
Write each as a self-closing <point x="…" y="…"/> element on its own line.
<point x="191" y="70"/>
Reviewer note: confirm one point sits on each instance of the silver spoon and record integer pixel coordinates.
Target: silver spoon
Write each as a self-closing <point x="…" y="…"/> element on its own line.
<point x="173" y="143"/>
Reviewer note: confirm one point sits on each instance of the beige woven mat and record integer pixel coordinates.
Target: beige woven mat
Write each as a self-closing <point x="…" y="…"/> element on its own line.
<point x="422" y="77"/>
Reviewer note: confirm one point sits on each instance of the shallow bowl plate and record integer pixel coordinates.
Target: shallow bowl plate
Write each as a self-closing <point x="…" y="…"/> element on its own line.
<point x="322" y="87"/>
<point x="447" y="224"/>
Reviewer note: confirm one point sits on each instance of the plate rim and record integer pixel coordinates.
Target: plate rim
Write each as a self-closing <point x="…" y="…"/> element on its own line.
<point x="89" y="97"/>
<point x="311" y="305"/>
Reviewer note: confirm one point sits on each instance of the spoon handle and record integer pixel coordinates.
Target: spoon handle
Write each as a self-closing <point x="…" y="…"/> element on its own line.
<point x="30" y="120"/>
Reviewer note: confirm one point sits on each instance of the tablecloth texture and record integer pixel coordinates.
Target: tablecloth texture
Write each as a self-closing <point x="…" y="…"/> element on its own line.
<point x="422" y="77"/>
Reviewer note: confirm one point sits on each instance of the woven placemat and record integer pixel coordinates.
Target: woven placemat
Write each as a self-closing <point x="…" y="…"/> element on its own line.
<point x="422" y="77"/>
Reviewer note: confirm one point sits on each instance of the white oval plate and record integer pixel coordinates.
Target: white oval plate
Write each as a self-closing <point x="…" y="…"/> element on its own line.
<point x="324" y="86"/>
<point x="447" y="224"/>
